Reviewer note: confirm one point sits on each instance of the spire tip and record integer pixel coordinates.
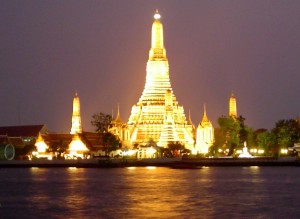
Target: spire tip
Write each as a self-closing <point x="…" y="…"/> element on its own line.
<point x="157" y="15"/>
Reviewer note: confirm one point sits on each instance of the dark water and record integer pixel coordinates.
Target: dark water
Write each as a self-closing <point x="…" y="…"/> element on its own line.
<point x="215" y="192"/>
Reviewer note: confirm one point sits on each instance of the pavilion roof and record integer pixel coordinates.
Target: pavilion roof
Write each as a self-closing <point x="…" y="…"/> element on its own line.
<point x="23" y="131"/>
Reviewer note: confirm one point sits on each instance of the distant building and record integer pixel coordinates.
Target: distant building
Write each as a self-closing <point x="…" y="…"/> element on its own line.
<point x="76" y="118"/>
<point x="77" y="144"/>
<point x="23" y="136"/>
<point x="232" y="106"/>
<point x="28" y="133"/>
<point x="42" y="149"/>
<point x="119" y="128"/>
<point x="205" y="135"/>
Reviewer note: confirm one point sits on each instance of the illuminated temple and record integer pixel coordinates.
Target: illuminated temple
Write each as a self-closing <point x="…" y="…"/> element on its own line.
<point x="157" y="115"/>
<point x="76" y="119"/>
<point x="156" y="119"/>
<point x="232" y="106"/>
<point x="204" y="135"/>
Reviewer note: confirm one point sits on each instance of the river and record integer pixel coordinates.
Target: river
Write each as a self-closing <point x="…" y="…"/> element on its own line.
<point x="150" y="192"/>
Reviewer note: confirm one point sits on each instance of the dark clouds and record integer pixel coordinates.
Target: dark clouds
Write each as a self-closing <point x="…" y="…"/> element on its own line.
<point x="50" y="49"/>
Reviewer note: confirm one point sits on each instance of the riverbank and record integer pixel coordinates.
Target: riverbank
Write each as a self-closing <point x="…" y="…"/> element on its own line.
<point x="161" y="162"/>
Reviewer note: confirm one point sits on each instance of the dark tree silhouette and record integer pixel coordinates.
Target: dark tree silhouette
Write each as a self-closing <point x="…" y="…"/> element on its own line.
<point x="102" y="122"/>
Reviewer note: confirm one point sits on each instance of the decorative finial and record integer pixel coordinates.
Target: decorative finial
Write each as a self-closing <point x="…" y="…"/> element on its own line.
<point x="118" y="113"/>
<point x="157" y="15"/>
<point x="118" y="117"/>
<point x="190" y="119"/>
<point x="204" y="118"/>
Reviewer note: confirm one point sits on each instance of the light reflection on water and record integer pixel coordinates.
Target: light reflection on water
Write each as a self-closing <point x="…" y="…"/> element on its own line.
<point x="148" y="192"/>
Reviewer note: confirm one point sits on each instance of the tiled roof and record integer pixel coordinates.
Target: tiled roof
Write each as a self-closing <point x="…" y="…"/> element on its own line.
<point x="22" y="131"/>
<point x="91" y="140"/>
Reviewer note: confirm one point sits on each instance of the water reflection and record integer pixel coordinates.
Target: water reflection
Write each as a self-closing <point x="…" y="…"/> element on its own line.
<point x="215" y="192"/>
<point x="163" y="193"/>
<point x="151" y="197"/>
<point x="150" y="167"/>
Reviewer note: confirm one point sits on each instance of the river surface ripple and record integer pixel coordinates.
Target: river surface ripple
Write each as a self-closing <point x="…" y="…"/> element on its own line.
<point x="149" y="192"/>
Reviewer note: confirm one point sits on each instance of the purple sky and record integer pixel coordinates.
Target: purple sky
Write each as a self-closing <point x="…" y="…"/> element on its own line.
<point x="50" y="49"/>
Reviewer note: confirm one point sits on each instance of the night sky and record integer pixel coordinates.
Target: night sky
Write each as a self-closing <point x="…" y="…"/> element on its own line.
<point x="51" y="49"/>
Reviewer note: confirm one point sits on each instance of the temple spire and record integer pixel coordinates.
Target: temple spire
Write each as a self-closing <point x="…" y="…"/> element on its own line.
<point x="158" y="115"/>
<point x="118" y="118"/>
<point x="157" y="50"/>
<point x="189" y="120"/>
<point x="205" y="134"/>
<point x="232" y="106"/>
<point x="76" y="118"/>
<point x="204" y="118"/>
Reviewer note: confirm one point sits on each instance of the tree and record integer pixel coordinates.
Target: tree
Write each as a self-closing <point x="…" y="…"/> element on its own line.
<point x="250" y="137"/>
<point x="28" y="149"/>
<point x="102" y="122"/>
<point x="244" y="130"/>
<point x="219" y="142"/>
<point x="166" y="152"/>
<point x="58" y="147"/>
<point x="265" y="140"/>
<point x="175" y="147"/>
<point x="286" y="132"/>
<point x="25" y="151"/>
<point x="229" y="131"/>
<point x="110" y="142"/>
<point x="232" y="133"/>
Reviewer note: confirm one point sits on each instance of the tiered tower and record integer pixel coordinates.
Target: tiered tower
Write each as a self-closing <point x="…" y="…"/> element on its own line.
<point x="76" y="119"/>
<point x="205" y="134"/>
<point x="157" y="115"/>
<point x="232" y="106"/>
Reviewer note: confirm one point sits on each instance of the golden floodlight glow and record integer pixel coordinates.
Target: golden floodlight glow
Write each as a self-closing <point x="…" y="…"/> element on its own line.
<point x="151" y="151"/>
<point x="261" y="151"/>
<point x="76" y="119"/>
<point x="41" y="147"/>
<point x="129" y="153"/>
<point x="40" y="144"/>
<point x="157" y="115"/>
<point x="284" y="151"/>
<point x="232" y="106"/>
<point x="150" y="167"/>
<point x="205" y="135"/>
<point x="77" y="147"/>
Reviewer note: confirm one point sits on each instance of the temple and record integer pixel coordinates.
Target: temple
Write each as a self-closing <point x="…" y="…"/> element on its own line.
<point x="76" y="119"/>
<point x="157" y="115"/>
<point x="232" y="106"/>
<point x="205" y="135"/>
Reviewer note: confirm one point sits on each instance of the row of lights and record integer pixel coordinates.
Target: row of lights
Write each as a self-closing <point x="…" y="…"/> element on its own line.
<point x="254" y="151"/>
<point x="257" y="151"/>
